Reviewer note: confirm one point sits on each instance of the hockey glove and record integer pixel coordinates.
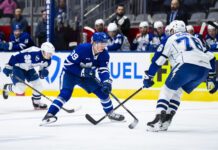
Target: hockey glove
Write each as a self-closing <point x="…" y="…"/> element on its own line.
<point x="148" y="80"/>
<point x="8" y="70"/>
<point x="87" y="73"/>
<point x="212" y="83"/>
<point x="106" y="86"/>
<point x="43" y="73"/>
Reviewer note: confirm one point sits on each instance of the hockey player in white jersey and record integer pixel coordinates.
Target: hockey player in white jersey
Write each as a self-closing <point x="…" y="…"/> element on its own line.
<point x="117" y="41"/>
<point x="190" y="62"/>
<point x="21" y="67"/>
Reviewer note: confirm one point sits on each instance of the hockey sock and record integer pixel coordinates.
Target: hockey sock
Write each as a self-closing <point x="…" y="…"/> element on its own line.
<point x="56" y="106"/>
<point x="107" y="105"/>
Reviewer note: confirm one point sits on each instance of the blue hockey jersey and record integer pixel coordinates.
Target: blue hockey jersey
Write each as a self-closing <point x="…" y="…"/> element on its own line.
<point x="29" y="58"/>
<point x="83" y="57"/>
<point x="24" y="41"/>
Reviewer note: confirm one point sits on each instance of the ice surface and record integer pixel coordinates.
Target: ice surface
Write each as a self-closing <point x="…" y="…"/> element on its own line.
<point x="195" y="127"/>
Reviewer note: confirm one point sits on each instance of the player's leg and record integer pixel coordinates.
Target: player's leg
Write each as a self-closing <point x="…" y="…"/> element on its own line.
<point x="91" y="86"/>
<point x="108" y="106"/>
<point x="16" y="86"/>
<point x="174" y="81"/>
<point x="67" y="83"/>
<point x="172" y="108"/>
<point x="33" y="78"/>
<point x="161" y="108"/>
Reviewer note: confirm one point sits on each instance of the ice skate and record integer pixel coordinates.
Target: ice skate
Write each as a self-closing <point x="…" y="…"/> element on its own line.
<point x="6" y="91"/>
<point x="48" y="119"/>
<point x="115" y="117"/>
<point x="166" y="123"/>
<point x="156" y="124"/>
<point x="38" y="105"/>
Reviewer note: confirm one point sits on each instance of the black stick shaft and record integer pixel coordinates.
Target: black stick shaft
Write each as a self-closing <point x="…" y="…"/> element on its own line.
<point x="19" y="79"/>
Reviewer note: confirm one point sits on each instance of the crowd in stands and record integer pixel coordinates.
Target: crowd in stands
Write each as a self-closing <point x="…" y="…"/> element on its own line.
<point x="148" y="38"/>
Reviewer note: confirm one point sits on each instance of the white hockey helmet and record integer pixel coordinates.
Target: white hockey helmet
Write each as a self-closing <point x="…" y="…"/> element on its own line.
<point x="47" y="47"/>
<point x="99" y="21"/>
<point x="112" y="27"/>
<point x="143" y="24"/>
<point x="189" y="27"/>
<point x="178" y="26"/>
<point x="167" y="30"/>
<point x="158" y="24"/>
<point x="210" y="27"/>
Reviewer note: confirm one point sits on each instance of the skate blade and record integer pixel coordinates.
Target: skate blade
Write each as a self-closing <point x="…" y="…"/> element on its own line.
<point x="116" y="121"/>
<point x="37" y="108"/>
<point x="47" y="122"/>
<point x="152" y="129"/>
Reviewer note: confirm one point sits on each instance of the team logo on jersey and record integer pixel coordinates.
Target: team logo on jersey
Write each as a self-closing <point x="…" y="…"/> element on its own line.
<point x="27" y="59"/>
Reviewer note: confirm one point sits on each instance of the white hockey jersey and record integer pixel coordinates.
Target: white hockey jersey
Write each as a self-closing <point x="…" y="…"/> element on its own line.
<point x="184" y="48"/>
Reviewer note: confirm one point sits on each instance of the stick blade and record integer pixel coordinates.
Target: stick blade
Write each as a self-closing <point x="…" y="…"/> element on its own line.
<point x="133" y="125"/>
<point x="90" y="119"/>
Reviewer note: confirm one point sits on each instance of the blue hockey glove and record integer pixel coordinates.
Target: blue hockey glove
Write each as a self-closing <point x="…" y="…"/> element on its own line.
<point x="148" y="80"/>
<point x="87" y="72"/>
<point x="106" y="86"/>
<point x="7" y="70"/>
<point x="212" y="83"/>
<point x="43" y="73"/>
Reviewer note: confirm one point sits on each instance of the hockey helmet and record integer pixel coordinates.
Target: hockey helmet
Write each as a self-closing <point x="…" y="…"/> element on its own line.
<point x="189" y="27"/>
<point x="112" y="27"/>
<point x="143" y="24"/>
<point x="47" y="47"/>
<point x="158" y="24"/>
<point x="16" y="27"/>
<point x="178" y="26"/>
<point x="100" y="37"/>
<point x="99" y="21"/>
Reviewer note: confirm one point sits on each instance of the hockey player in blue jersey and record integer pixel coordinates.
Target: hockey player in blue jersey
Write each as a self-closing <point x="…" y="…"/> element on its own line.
<point x="159" y="35"/>
<point x="79" y="69"/>
<point x="117" y="41"/>
<point x="18" y="40"/>
<point x="212" y="37"/>
<point x="21" y="66"/>
<point x="191" y="64"/>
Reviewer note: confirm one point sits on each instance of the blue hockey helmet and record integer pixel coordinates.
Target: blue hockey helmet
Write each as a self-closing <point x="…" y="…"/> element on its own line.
<point x="17" y="27"/>
<point x="100" y="37"/>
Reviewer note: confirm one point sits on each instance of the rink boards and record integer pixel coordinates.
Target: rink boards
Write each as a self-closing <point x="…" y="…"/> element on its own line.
<point x="127" y="70"/>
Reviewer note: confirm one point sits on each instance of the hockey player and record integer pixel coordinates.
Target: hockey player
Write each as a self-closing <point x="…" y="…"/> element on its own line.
<point x="158" y="33"/>
<point x="21" y="66"/>
<point x="212" y="37"/>
<point x="190" y="30"/>
<point x="143" y="40"/>
<point x="18" y="40"/>
<point x="117" y="41"/>
<point x="190" y="62"/>
<point x="79" y="69"/>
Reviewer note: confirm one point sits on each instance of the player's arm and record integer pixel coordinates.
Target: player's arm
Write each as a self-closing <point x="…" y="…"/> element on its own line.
<point x="158" y="60"/>
<point x="103" y="72"/>
<point x="43" y="69"/>
<point x="211" y="82"/>
<point x="15" y="59"/>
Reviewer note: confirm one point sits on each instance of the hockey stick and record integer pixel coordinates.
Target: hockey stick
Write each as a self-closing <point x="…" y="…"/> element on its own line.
<point x="135" y="122"/>
<point x="93" y="121"/>
<point x="203" y="26"/>
<point x="19" y="79"/>
<point x="212" y="24"/>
